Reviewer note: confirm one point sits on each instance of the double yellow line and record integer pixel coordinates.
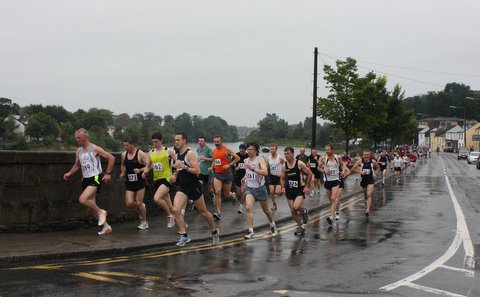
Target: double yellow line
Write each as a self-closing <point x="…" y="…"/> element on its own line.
<point x="190" y="249"/>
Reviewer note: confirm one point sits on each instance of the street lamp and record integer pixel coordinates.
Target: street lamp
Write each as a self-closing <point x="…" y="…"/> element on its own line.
<point x="464" y="124"/>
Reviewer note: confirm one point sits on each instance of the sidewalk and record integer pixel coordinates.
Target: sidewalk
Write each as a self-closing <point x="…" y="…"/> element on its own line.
<point x="85" y="243"/>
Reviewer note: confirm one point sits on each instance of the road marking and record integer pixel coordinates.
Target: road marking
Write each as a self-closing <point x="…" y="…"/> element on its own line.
<point x="462" y="235"/>
<point x="467" y="272"/>
<point x="128" y="275"/>
<point x="98" y="278"/>
<point x="433" y="290"/>
<point x="280" y="292"/>
<point x="190" y="249"/>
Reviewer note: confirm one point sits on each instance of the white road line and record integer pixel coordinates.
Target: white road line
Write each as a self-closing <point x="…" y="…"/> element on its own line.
<point x="467" y="272"/>
<point x="462" y="235"/>
<point x="433" y="290"/>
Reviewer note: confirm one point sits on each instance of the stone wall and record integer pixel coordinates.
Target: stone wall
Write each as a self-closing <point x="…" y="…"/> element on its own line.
<point x="34" y="196"/>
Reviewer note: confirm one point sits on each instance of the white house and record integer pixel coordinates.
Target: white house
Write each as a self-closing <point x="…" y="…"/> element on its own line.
<point x="455" y="136"/>
<point x="423" y="137"/>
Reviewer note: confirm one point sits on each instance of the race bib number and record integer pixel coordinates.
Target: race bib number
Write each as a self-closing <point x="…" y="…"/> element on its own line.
<point x="251" y="176"/>
<point x="292" y="184"/>
<point x="334" y="171"/>
<point x="383" y="163"/>
<point x="366" y="171"/>
<point x="274" y="167"/>
<point x="218" y="162"/>
<point x="132" y="177"/>
<point x="86" y="168"/>
<point x="313" y="165"/>
<point x="157" y="167"/>
<point x="241" y="165"/>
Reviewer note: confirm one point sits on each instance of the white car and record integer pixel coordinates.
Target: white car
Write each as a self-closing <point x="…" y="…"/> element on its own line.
<point x="473" y="157"/>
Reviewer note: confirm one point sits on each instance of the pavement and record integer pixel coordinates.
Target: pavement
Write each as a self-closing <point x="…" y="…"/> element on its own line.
<point x="85" y="243"/>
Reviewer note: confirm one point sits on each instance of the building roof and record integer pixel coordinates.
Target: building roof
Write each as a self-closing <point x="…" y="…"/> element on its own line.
<point x="455" y="129"/>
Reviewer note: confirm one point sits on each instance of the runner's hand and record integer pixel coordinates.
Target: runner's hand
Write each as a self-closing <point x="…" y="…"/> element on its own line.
<point x="307" y="190"/>
<point x="106" y="178"/>
<point x="66" y="176"/>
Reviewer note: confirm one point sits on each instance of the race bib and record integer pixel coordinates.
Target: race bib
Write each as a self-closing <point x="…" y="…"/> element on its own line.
<point x="218" y="162"/>
<point x="313" y="165"/>
<point x="241" y="165"/>
<point x="334" y="171"/>
<point x="383" y="163"/>
<point x="132" y="177"/>
<point x="274" y="167"/>
<point x="251" y="176"/>
<point x="86" y="168"/>
<point x="366" y="171"/>
<point x="157" y="167"/>
<point x="293" y="184"/>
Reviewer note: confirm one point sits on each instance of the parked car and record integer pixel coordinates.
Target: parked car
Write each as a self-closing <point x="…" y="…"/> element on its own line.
<point x="473" y="157"/>
<point x="478" y="164"/>
<point x="462" y="153"/>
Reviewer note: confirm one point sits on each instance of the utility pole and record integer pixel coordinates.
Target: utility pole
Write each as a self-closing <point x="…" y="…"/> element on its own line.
<point x="314" y="107"/>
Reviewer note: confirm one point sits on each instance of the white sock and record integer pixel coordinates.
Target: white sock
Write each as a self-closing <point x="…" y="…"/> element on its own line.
<point x="183" y="212"/>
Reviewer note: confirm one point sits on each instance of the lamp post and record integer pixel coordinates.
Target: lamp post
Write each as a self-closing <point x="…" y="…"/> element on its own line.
<point x="464" y="124"/>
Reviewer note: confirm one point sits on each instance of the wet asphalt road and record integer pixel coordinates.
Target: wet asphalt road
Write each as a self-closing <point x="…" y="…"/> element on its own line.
<point x="412" y="226"/>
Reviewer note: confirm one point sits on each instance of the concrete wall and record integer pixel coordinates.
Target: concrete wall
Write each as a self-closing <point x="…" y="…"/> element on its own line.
<point x="34" y="196"/>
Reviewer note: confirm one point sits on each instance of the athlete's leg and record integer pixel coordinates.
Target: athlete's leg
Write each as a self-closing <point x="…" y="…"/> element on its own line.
<point x="130" y="199"/>
<point x="202" y="209"/>
<point x="141" y="209"/>
<point x="87" y="198"/>
<point x="295" y="214"/>
<point x="249" y="202"/>
<point x="369" y="191"/>
<point x="266" y="210"/>
<point x="162" y="199"/>
<point x="217" y="187"/>
<point x="178" y="202"/>
<point x="227" y="190"/>
<point x="335" y="191"/>
<point x="271" y="189"/>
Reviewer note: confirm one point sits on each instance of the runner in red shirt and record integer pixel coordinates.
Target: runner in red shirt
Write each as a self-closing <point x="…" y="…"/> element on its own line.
<point x="413" y="161"/>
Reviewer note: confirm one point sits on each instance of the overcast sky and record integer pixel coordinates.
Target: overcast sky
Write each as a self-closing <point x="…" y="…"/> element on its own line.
<point x="235" y="59"/>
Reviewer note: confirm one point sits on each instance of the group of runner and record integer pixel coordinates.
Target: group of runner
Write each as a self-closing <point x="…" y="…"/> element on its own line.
<point x="213" y="171"/>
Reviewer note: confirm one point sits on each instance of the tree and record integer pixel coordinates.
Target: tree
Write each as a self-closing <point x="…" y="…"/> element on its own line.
<point x="348" y="103"/>
<point x="122" y="120"/>
<point x="8" y="107"/>
<point x="42" y="126"/>
<point x="183" y="123"/>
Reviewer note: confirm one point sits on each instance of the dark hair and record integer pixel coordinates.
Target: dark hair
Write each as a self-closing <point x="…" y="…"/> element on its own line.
<point x="129" y="140"/>
<point x="330" y="145"/>
<point x="202" y="137"/>
<point x="274" y="145"/>
<point x="182" y="134"/>
<point x="217" y="136"/>
<point x="289" y="149"/>
<point x="157" y="135"/>
<point x="255" y="145"/>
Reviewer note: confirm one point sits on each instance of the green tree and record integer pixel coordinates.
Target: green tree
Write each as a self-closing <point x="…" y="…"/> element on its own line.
<point x="8" y="107"/>
<point x="183" y="123"/>
<point x="348" y="104"/>
<point x="42" y="126"/>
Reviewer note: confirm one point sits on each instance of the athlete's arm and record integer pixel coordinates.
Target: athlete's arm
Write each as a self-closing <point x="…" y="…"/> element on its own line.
<point x="345" y="171"/>
<point x="192" y="158"/>
<point x="235" y="158"/>
<point x="355" y="167"/>
<point x="111" y="161"/>
<point x="262" y="170"/>
<point x="142" y="160"/>
<point x="282" y="178"/>
<point x="321" y="165"/>
<point x="74" y="168"/>
<point x="309" y="174"/>
<point x="148" y="165"/>
<point x="122" y="166"/>
<point x="376" y="167"/>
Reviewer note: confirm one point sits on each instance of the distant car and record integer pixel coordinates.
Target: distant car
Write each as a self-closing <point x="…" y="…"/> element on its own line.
<point x="472" y="157"/>
<point x="462" y="153"/>
<point x="478" y="164"/>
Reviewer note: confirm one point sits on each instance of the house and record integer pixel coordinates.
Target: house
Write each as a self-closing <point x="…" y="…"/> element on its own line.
<point x="454" y="138"/>
<point x="424" y="137"/>
<point x="437" y="138"/>
<point x="473" y="137"/>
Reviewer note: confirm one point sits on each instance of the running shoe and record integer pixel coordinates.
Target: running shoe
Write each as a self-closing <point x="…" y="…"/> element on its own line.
<point x="186" y="226"/>
<point x="329" y="220"/>
<point x="274" y="207"/>
<point x="184" y="239"/>
<point x="217" y="216"/>
<point x="240" y="208"/>
<point x="305" y="216"/>
<point x="170" y="221"/>
<point x="367" y="214"/>
<point x="106" y="230"/>
<point x="337" y="216"/>
<point x="273" y="230"/>
<point x="249" y="235"/>
<point x="300" y="231"/>
<point x="215" y="237"/>
<point x="143" y="225"/>
<point x="234" y="200"/>
<point x="102" y="217"/>
<point x="311" y="193"/>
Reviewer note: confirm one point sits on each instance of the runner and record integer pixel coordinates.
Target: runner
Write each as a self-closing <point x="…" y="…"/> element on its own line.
<point x="223" y="159"/>
<point x="397" y="165"/>
<point x="87" y="158"/>
<point x="189" y="187"/>
<point x="239" y="174"/>
<point x="413" y="161"/>
<point x="295" y="189"/>
<point x="367" y="168"/>
<point x="313" y="160"/>
<point x="159" y="158"/>
<point x="383" y="160"/>
<point x="205" y="155"/>
<point x="302" y="156"/>
<point x="254" y="180"/>
<point x="275" y="163"/>
<point x="331" y="167"/>
<point x="132" y="167"/>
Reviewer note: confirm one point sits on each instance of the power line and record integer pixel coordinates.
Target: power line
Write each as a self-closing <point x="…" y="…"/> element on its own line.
<point x="402" y="67"/>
